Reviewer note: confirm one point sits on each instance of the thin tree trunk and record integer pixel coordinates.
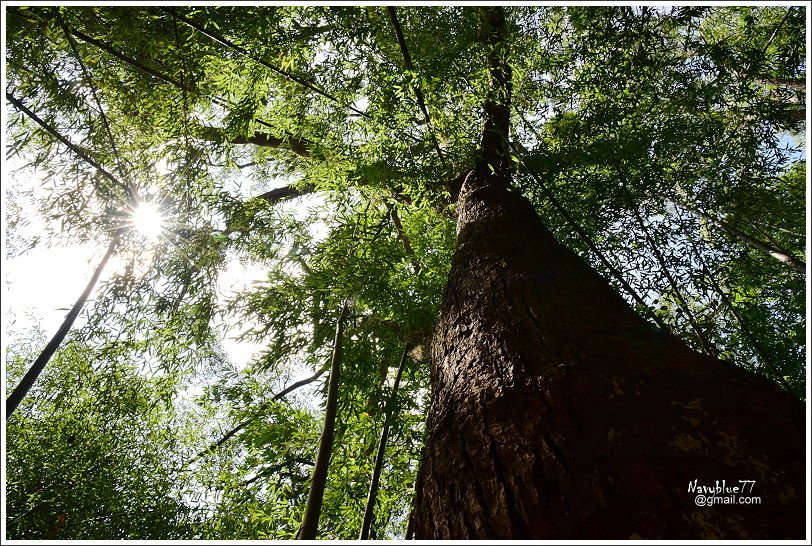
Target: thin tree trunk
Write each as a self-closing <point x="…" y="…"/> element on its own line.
<point x="783" y="257"/>
<point x="369" y="511"/>
<point x="39" y="364"/>
<point x="310" y="520"/>
<point x="558" y="413"/>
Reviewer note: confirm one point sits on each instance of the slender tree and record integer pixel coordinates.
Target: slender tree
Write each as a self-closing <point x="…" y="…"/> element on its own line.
<point x="374" y="483"/>
<point x="39" y="364"/>
<point x="310" y="519"/>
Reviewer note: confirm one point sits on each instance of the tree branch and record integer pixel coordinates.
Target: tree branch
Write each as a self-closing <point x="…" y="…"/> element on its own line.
<point x="783" y="257"/>
<point x="707" y="346"/>
<point x="275" y="468"/>
<point x="110" y="50"/>
<point x="407" y="245"/>
<point x="122" y="57"/>
<point x="757" y="348"/>
<point x="94" y="94"/>
<point x="228" y="435"/>
<point x="407" y="60"/>
<point x="681" y="301"/>
<point x="286" y="192"/>
<point x="798" y="84"/>
<point x="299" y="146"/>
<point x="242" y="51"/>
<point x="128" y="190"/>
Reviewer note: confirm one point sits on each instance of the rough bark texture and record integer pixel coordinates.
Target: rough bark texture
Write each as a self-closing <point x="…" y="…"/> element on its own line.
<point x="559" y="413"/>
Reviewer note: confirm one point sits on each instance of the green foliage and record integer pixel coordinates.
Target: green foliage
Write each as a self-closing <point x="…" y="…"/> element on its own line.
<point x="91" y="446"/>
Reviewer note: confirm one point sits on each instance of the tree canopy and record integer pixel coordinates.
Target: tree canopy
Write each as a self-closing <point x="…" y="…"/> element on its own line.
<point x="327" y="145"/>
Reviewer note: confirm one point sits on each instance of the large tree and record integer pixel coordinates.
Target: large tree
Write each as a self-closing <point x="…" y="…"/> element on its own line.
<point x="620" y="312"/>
<point x="557" y="411"/>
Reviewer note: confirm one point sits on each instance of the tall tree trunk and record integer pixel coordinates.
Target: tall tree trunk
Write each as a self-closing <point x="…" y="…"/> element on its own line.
<point x="39" y="364"/>
<point x="310" y="519"/>
<point x="558" y="413"/>
<point x="369" y="511"/>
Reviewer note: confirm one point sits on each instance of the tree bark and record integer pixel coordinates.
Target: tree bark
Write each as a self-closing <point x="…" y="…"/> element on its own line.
<point x="558" y="413"/>
<point x="310" y="519"/>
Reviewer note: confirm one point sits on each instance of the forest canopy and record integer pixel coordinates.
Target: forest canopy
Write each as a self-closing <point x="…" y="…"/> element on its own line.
<point x="327" y="147"/>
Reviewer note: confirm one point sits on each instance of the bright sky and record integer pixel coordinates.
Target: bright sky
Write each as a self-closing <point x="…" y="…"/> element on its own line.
<point x="40" y="284"/>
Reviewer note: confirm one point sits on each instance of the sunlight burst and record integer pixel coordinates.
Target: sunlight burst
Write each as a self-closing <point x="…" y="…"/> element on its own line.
<point x="148" y="221"/>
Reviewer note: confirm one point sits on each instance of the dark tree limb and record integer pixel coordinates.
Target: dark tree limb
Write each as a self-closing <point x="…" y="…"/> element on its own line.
<point x="73" y="147"/>
<point x="143" y="67"/>
<point x="310" y="520"/>
<point x="242" y="51"/>
<point x="757" y="348"/>
<point x="774" y="33"/>
<point x="299" y="146"/>
<point x="125" y="58"/>
<point x="798" y="84"/>
<point x="766" y="235"/>
<point x="707" y="346"/>
<point x="275" y="468"/>
<point x="407" y="245"/>
<point x="286" y="192"/>
<point x="644" y="308"/>
<point x="418" y="92"/>
<point x="94" y="94"/>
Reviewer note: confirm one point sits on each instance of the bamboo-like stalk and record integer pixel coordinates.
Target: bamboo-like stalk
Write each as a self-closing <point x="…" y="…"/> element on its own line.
<point x="782" y="256"/>
<point x="369" y="511"/>
<point x="310" y="520"/>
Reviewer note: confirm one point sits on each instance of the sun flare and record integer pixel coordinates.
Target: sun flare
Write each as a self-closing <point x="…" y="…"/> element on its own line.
<point x="148" y="221"/>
